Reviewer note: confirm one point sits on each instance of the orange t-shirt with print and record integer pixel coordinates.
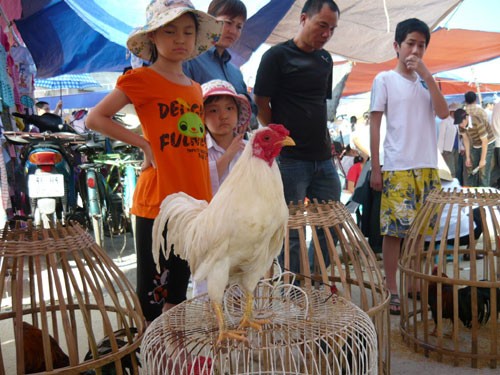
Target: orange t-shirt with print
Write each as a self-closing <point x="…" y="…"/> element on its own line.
<point x="171" y="119"/>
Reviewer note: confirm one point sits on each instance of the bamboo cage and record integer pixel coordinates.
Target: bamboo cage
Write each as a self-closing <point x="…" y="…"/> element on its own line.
<point x="344" y="259"/>
<point x="314" y="333"/>
<point x="64" y="285"/>
<point x="457" y="315"/>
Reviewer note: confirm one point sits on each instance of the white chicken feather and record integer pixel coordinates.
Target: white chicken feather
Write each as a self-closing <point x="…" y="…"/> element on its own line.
<point x="235" y="237"/>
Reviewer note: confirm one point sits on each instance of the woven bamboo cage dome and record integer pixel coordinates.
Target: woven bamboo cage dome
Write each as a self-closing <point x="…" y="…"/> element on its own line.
<point x="309" y="333"/>
<point x="457" y="314"/>
<point x="65" y="286"/>
<point x="353" y="267"/>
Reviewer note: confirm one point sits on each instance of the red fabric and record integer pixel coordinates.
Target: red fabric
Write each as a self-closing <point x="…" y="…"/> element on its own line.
<point x="354" y="173"/>
<point x="450" y="87"/>
<point x="448" y="49"/>
<point x="12" y="10"/>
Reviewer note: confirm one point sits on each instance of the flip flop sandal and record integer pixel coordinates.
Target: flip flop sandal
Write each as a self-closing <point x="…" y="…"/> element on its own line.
<point x="395" y="305"/>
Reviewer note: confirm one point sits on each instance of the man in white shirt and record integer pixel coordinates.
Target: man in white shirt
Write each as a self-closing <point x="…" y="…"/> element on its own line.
<point x="488" y="108"/>
<point x="448" y="140"/>
<point x="495" y="126"/>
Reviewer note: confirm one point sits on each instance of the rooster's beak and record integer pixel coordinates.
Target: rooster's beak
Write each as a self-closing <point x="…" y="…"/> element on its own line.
<point x="288" y="142"/>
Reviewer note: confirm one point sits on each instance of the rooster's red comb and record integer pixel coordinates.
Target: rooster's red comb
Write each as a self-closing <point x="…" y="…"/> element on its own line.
<point x="280" y="129"/>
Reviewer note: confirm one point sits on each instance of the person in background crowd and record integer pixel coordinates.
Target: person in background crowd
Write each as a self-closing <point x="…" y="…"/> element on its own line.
<point x="293" y="81"/>
<point x="448" y="183"/>
<point x="481" y="142"/>
<point x="347" y="157"/>
<point x="488" y="105"/>
<point x="355" y="171"/>
<point x="449" y="140"/>
<point x="366" y="118"/>
<point x="353" y="121"/>
<point x="478" y="148"/>
<point x="495" y="126"/>
<point x="410" y="99"/>
<point x="43" y="107"/>
<point x="216" y="62"/>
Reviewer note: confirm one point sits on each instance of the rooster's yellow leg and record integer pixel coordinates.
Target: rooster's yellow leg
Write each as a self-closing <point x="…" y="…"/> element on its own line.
<point x="247" y="320"/>
<point x="224" y="333"/>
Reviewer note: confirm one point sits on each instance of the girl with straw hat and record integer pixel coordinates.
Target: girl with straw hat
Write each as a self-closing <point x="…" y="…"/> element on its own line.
<point x="170" y="108"/>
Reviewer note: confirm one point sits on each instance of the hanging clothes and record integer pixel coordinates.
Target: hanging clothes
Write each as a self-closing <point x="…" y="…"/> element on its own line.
<point x="6" y="91"/>
<point x="26" y="69"/>
<point x="6" y="84"/>
<point x="5" y="202"/>
<point x="12" y="71"/>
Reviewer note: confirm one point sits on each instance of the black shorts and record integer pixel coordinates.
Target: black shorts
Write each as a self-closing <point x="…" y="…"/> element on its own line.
<point x="153" y="288"/>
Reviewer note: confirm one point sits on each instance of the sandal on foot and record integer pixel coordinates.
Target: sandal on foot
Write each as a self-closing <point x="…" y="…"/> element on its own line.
<point x="395" y="305"/>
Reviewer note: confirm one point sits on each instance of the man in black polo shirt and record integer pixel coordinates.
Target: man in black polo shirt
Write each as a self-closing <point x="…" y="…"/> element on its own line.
<point x="293" y="81"/>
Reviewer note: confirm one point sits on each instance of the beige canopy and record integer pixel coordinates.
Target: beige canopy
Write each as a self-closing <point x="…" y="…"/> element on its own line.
<point x="365" y="35"/>
<point x="366" y="27"/>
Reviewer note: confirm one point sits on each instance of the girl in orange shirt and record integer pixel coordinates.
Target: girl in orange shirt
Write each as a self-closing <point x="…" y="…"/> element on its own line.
<point x="170" y="108"/>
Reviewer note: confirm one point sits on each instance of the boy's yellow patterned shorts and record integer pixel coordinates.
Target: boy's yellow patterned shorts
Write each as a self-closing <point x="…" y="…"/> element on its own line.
<point x="403" y="193"/>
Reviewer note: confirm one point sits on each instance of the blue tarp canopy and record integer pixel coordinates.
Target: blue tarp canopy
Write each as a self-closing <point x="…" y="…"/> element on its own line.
<point x="84" y="36"/>
<point x="78" y="36"/>
<point x="258" y="28"/>
<point x="83" y="100"/>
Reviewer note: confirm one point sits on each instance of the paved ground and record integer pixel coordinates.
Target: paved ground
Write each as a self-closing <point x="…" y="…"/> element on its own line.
<point x="403" y="359"/>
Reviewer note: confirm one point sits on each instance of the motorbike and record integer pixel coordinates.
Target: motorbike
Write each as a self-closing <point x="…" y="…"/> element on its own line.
<point x="49" y="168"/>
<point x="109" y="179"/>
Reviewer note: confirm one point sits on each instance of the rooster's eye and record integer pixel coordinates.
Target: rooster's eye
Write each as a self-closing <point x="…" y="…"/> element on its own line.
<point x="267" y="138"/>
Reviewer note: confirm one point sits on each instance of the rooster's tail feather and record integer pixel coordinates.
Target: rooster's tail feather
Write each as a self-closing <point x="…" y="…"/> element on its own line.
<point x="158" y="239"/>
<point x="179" y="210"/>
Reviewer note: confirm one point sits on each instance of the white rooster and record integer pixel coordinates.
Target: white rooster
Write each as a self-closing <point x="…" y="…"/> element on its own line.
<point x="235" y="237"/>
